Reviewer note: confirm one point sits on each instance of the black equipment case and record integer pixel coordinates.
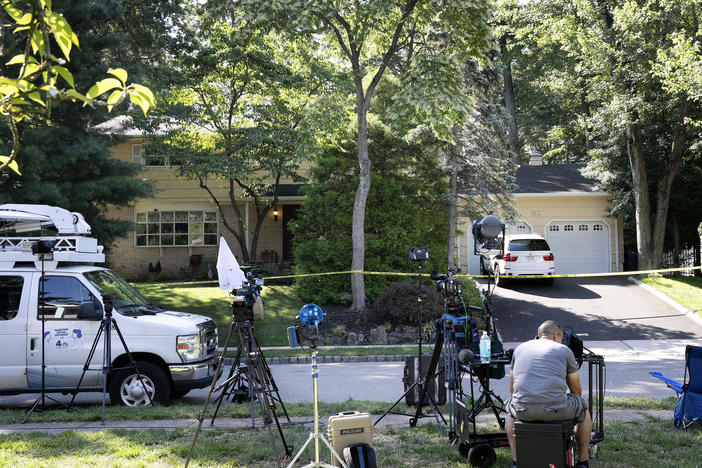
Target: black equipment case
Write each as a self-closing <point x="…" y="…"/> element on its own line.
<point x="436" y="384"/>
<point x="545" y="444"/>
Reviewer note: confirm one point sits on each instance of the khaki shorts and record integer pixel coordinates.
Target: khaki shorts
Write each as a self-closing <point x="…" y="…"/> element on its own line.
<point x="574" y="408"/>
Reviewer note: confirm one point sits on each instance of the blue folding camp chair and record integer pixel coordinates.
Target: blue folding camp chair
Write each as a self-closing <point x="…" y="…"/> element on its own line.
<point x="689" y="407"/>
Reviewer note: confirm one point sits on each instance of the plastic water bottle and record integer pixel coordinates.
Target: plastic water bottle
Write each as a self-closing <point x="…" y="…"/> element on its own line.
<point x="485" y="348"/>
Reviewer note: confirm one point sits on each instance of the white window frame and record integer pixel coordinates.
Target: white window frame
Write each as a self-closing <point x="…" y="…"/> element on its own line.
<point x="139" y="158"/>
<point x="150" y="230"/>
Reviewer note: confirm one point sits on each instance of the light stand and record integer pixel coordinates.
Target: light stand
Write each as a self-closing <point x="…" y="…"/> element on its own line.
<point x="44" y="251"/>
<point x="107" y="324"/>
<point x="310" y="316"/>
<point x="421" y="381"/>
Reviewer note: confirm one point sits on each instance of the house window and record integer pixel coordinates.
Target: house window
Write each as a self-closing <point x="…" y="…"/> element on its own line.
<point x="582" y="227"/>
<point x="597" y="227"/>
<point x="568" y="227"/>
<point x="176" y="228"/>
<point x="139" y="157"/>
<point x="554" y="228"/>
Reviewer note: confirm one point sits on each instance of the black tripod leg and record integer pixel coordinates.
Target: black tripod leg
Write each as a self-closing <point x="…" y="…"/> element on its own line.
<point x="271" y="381"/>
<point x="201" y="418"/>
<point x="257" y="386"/>
<point x="404" y="395"/>
<point x="230" y="383"/>
<point x="424" y="385"/>
<point x="90" y="358"/>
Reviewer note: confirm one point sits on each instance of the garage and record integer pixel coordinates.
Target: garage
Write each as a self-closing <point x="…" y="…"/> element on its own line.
<point x="558" y="202"/>
<point x="579" y="246"/>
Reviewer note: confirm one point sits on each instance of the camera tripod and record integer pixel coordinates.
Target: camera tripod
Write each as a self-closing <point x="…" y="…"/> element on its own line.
<point x="106" y="325"/>
<point x="421" y="382"/>
<point x="257" y="374"/>
<point x="239" y="383"/>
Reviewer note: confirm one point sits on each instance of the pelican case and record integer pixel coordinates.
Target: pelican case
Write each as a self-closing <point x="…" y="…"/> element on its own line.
<point x="349" y="428"/>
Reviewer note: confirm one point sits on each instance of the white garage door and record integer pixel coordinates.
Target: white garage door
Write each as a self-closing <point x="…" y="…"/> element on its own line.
<point x="579" y="246"/>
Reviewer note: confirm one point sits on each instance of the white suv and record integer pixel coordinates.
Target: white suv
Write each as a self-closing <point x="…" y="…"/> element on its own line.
<point x="524" y="254"/>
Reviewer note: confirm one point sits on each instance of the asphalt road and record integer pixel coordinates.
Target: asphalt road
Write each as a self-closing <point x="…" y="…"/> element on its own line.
<point x="598" y="309"/>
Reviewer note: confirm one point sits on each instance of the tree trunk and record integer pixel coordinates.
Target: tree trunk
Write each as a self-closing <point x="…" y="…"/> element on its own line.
<point x="585" y="109"/>
<point x="508" y="93"/>
<point x="453" y="195"/>
<point x="640" y="185"/>
<point x="665" y="184"/>
<point x="358" y="289"/>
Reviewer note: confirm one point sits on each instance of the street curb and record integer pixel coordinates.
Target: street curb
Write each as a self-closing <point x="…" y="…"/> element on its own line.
<point x="327" y="359"/>
<point x="674" y="304"/>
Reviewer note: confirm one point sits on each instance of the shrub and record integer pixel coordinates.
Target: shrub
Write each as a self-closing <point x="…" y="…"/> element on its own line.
<point x="398" y="303"/>
<point x="405" y="208"/>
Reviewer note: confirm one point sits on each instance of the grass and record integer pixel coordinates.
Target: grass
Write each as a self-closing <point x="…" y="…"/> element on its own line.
<point x="243" y="410"/>
<point x="645" y="443"/>
<point x="686" y="290"/>
<point x="281" y="307"/>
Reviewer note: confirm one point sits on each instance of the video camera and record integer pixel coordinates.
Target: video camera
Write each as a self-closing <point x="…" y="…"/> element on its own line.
<point x="452" y="289"/>
<point x="246" y="303"/>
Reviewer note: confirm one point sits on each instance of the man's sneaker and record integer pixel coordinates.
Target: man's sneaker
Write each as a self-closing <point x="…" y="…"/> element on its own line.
<point x="582" y="464"/>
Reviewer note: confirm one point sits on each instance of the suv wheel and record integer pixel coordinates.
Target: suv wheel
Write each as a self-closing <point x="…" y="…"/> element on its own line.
<point x="127" y="389"/>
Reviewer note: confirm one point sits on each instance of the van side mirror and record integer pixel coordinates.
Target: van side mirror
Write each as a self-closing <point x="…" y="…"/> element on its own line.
<point x="88" y="311"/>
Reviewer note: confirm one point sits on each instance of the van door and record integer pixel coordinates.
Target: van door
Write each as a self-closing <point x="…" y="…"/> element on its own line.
<point x="14" y="298"/>
<point x="67" y="339"/>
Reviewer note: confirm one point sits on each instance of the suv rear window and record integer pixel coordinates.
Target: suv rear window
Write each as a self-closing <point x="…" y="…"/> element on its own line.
<point x="524" y="245"/>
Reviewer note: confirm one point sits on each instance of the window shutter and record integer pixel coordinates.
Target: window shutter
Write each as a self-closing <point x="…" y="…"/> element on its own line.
<point x="137" y="156"/>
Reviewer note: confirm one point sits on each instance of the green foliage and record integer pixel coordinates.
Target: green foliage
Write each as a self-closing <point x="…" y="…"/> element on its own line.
<point x="237" y="114"/>
<point x="405" y="208"/>
<point x="31" y="83"/>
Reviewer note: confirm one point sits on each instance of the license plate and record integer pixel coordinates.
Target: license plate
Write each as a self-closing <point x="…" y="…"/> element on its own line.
<point x="531" y="258"/>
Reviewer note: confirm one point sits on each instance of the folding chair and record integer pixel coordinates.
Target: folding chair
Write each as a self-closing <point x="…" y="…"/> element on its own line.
<point x="689" y="406"/>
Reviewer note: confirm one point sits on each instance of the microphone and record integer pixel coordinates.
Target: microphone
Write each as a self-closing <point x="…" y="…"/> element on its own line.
<point x="465" y="356"/>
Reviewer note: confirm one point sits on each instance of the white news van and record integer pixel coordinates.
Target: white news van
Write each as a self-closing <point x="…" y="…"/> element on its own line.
<point x="174" y="351"/>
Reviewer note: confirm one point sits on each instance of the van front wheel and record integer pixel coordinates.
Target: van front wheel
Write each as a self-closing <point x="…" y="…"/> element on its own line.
<point x="127" y="389"/>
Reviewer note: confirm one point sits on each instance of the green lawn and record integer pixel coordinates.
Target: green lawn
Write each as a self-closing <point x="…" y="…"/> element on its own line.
<point x="646" y="443"/>
<point x="686" y="290"/>
<point x="281" y="307"/>
<point x="243" y="410"/>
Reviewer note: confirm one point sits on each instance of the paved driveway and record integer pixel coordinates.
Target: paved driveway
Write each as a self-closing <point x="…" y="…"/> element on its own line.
<point x="601" y="309"/>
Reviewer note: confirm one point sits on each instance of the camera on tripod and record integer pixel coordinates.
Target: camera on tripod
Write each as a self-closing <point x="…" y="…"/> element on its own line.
<point x="246" y="304"/>
<point x="451" y="287"/>
<point x="418" y="254"/>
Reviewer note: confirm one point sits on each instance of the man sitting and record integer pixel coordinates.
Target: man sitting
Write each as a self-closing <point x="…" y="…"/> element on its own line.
<point x="543" y="370"/>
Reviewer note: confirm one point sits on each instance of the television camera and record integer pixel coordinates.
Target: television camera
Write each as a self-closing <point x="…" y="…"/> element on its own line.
<point x="246" y="303"/>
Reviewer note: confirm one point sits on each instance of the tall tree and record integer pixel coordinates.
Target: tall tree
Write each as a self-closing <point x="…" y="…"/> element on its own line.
<point x="406" y="207"/>
<point x="373" y="37"/>
<point x="65" y="163"/>
<point x="237" y="114"/>
<point x="33" y="77"/>
<point x="639" y="64"/>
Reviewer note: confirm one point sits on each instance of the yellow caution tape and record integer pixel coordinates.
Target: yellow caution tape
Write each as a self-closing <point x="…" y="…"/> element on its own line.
<point x="414" y="275"/>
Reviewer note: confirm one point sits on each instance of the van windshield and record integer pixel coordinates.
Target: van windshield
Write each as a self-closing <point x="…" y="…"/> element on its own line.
<point x="521" y="245"/>
<point x="127" y="300"/>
